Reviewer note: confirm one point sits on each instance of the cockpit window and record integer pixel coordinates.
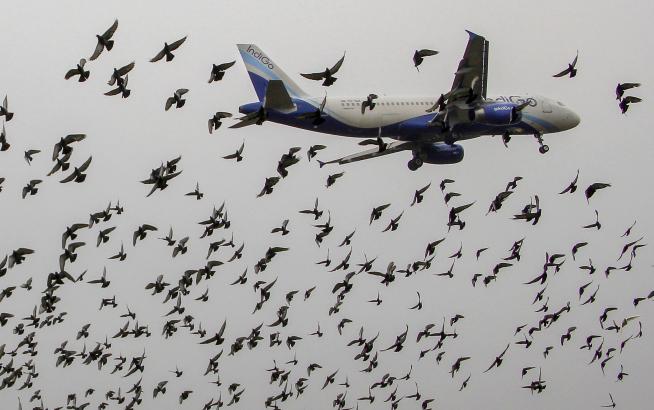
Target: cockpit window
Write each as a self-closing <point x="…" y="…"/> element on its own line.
<point x="560" y="103"/>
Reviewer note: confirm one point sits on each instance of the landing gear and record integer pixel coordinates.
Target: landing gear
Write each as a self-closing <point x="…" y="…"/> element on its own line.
<point x="543" y="148"/>
<point x="414" y="163"/>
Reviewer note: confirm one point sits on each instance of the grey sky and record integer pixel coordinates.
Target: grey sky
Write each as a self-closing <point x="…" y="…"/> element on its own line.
<point x="127" y="138"/>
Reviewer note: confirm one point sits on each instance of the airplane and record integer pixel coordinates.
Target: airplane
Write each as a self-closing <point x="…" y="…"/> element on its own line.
<point x="428" y="126"/>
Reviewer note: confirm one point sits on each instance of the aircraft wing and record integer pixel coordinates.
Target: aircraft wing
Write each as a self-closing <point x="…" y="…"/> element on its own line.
<point x="470" y="78"/>
<point x="391" y="148"/>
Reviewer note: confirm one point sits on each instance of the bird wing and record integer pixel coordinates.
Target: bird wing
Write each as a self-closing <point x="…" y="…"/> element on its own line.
<point x="425" y="52"/>
<point x="98" y="50"/>
<point x="85" y="165"/>
<point x="225" y="66"/>
<point x="125" y="69"/>
<point x="562" y="73"/>
<point x="313" y="76"/>
<point x="338" y="65"/>
<point x="176" y="44"/>
<point x="110" y="31"/>
<point x="159" y="56"/>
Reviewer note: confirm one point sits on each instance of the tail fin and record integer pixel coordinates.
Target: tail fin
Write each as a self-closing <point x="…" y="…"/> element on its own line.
<point x="262" y="69"/>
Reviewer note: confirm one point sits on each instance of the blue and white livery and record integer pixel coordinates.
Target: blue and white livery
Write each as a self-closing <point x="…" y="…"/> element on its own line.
<point x="428" y="126"/>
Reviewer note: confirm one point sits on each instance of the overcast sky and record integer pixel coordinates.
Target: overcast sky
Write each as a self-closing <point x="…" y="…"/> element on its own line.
<point x="129" y="137"/>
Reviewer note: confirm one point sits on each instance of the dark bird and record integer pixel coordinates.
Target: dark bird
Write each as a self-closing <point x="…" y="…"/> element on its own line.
<point x="573" y="185"/>
<point x="104" y="41"/>
<point x="571" y="70"/>
<point x="377" y="212"/>
<point x="328" y="75"/>
<point x="331" y="179"/>
<point x="313" y="150"/>
<point x="29" y="155"/>
<point x="498" y="359"/>
<point x="420" y="55"/>
<point x="596" y="224"/>
<point x="176" y="99"/>
<point x="4" y="110"/>
<point x="513" y="184"/>
<point x="218" y="71"/>
<point x="612" y="405"/>
<point x="79" y="70"/>
<point x="4" y="145"/>
<point x="216" y="121"/>
<point x="141" y="232"/>
<point x="78" y="174"/>
<point x="196" y="193"/>
<point x="17" y="256"/>
<point x="394" y="223"/>
<point x="282" y="228"/>
<point x="418" y="195"/>
<point x="369" y="103"/>
<point x="627" y="101"/>
<point x="622" y="87"/>
<point x="118" y="73"/>
<point x="64" y="145"/>
<point x="268" y="186"/>
<point x="121" y="255"/>
<point x="31" y="188"/>
<point x="238" y="155"/>
<point x="121" y="88"/>
<point x="167" y="50"/>
<point x="592" y="188"/>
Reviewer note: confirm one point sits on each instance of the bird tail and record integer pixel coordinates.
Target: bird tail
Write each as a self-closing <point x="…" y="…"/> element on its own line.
<point x="262" y="70"/>
<point x="110" y="45"/>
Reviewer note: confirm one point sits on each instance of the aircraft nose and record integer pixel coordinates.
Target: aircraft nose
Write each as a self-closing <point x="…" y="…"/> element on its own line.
<point x="571" y="119"/>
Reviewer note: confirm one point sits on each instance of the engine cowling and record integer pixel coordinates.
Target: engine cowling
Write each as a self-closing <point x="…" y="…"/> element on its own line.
<point x="441" y="153"/>
<point x="496" y="114"/>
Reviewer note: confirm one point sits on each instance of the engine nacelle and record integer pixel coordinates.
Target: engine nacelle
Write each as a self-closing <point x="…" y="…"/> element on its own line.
<point x="495" y="114"/>
<point x="441" y="153"/>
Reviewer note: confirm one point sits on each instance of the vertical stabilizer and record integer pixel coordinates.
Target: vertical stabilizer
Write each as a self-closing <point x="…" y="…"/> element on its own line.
<point x="262" y="69"/>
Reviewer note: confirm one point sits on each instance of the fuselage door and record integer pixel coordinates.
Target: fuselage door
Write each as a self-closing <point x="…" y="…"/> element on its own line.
<point x="547" y="106"/>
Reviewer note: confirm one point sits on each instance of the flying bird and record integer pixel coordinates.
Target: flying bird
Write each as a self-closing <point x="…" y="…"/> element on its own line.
<point x="79" y="70"/>
<point x="571" y="70"/>
<point x="238" y="155"/>
<point x="419" y="56"/>
<point x="218" y="71"/>
<point x="592" y="188"/>
<point x="370" y="104"/>
<point x="118" y="73"/>
<point x="622" y="87"/>
<point x="176" y="99"/>
<point x="328" y="75"/>
<point x="167" y="50"/>
<point x="104" y="41"/>
<point x="78" y="174"/>
<point x="626" y="101"/>
<point x="216" y="121"/>
<point x="4" y="110"/>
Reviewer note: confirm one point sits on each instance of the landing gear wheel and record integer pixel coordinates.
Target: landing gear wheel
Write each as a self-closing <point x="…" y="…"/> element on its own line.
<point x="414" y="164"/>
<point x="543" y="149"/>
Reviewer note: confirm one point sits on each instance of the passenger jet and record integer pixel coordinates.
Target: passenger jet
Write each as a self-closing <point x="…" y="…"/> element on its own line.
<point x="428" y="126"/>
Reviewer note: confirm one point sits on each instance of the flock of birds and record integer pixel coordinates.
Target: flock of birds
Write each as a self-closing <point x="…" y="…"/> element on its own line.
<point x="369" y="348"/>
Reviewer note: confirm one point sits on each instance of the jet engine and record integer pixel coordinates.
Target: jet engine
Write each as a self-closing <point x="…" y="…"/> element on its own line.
<point x="436" y="154"/>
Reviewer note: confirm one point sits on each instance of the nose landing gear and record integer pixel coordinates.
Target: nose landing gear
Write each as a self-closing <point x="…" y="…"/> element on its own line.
<point x="543" y="147"/>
